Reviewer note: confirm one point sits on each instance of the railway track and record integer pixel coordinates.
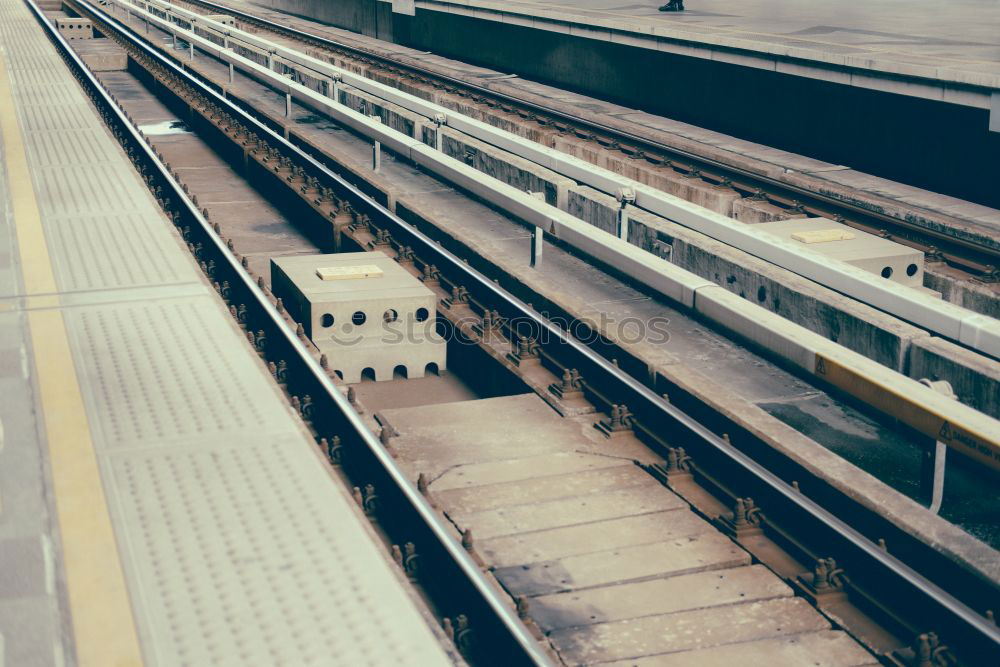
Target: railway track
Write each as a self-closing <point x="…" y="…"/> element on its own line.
<point x="799" y="532"/>
<point x="402" y="512"/>
<point x="980" y="261"/>
<point x="310" y="77"/>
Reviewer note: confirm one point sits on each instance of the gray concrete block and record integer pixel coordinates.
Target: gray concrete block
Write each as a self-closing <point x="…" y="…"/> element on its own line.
<point x="659" y="596"/>
<point x="861" y="328"/>
<point x="974" y="378"/>
<point x="392" y="115"/>
<point x="956" y="288"/>
<point x="585" y="538"/>
<point x="827" y="648"/>
<point x="649" y="497"/>
<point x="547" y="486"/>
<point x="667" y="558"/>
<point x="506" y="167"/>
<point x="102" y="55"/>
<point x="694" y="190"/>
<point x="687" y="631"/>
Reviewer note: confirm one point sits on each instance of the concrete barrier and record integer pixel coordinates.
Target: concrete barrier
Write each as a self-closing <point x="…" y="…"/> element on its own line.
<point x="975" y="379"/>
<point x="522" y="174"/>
<point x="869" y="332"/>
<point x="692" y="189"/>
<point x="391" y="115"/>
<point x="978" y="297"/>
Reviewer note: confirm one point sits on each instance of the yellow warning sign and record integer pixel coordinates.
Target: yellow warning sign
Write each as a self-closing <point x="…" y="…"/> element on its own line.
<point x="980" y="446"/>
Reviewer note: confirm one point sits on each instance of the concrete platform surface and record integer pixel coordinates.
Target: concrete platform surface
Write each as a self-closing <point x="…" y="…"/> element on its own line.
<point x="954" y="41"/>
<point x="160" y="502"/>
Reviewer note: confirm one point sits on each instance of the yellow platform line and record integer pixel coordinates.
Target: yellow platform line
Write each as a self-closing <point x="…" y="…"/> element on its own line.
<point x="103" y="625"/>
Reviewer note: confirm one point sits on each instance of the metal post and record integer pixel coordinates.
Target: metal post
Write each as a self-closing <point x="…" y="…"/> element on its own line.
<point x="376" y="149"/>
<point x="625" y="196"/>
<point x="537" y="237"/>
<point x="622" y="224"/>
<point x="537" y="246"/>
<point x="191" y="47"/>
<point x="174" y="35"/>
<point x="336" y="88"/>
<point x="932" y="474"/>
<point x="439" y="120"/>
<point x="934" y="458"/>
<point x="288" y="105"/>
<point x="145" y="22"/>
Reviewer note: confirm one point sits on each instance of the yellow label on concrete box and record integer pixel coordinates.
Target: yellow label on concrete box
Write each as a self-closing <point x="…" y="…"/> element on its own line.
<point x="822" y="236"/>
<point x="349" y="272"/>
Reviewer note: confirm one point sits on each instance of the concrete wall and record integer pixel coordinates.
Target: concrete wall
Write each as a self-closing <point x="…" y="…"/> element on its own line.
<point x="975" y="378"/>
<point x="956" y="289"/>
<point x="800" y="115"/>
<point x="356" y="15"/>
<point x="713" y="197"/>
<point x="394" y="116"/>
<point x="865" y="330"/>
<point x="501" y="165"/>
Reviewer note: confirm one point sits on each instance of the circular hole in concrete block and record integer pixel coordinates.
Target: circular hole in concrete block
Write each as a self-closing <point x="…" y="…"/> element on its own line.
<point x="911" y="270"/>
<point x="422" y="314"/>
<point x="326" y="321"/>
<point x="358" y="318"/>
<point x="390" y="315"/>
<point x="762" y="294"/>
<point x="887" y="272"/>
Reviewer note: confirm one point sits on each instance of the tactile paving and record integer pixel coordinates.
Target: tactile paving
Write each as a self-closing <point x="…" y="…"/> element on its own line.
<point x="238" y="548"/>
<point x="244" y="557"/>
<point x="103" y="228"/>
<point x="171" y="370"/>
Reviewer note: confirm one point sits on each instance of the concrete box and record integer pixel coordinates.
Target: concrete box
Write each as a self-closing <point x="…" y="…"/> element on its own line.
<point x="225" y="19"/>
<point x="75" y="28"/>
<point x="894" y="261"/>
<point x="369" y="316"/>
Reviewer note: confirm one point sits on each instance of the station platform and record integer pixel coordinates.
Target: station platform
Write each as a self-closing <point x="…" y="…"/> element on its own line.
<point x="940" y="51"/>
<point x="160" y="502"/>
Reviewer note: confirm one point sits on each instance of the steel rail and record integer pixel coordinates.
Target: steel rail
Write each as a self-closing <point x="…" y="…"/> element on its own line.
<point x="981" y="257"/>
<point x="523" y="649"/>
<point x="960" y="625"/>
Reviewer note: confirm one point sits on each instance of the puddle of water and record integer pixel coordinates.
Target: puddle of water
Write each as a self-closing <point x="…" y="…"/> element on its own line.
<point x="166" y="127"/>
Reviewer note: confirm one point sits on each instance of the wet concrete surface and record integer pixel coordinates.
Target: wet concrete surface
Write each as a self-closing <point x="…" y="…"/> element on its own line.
<point x="970" y="499"/>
